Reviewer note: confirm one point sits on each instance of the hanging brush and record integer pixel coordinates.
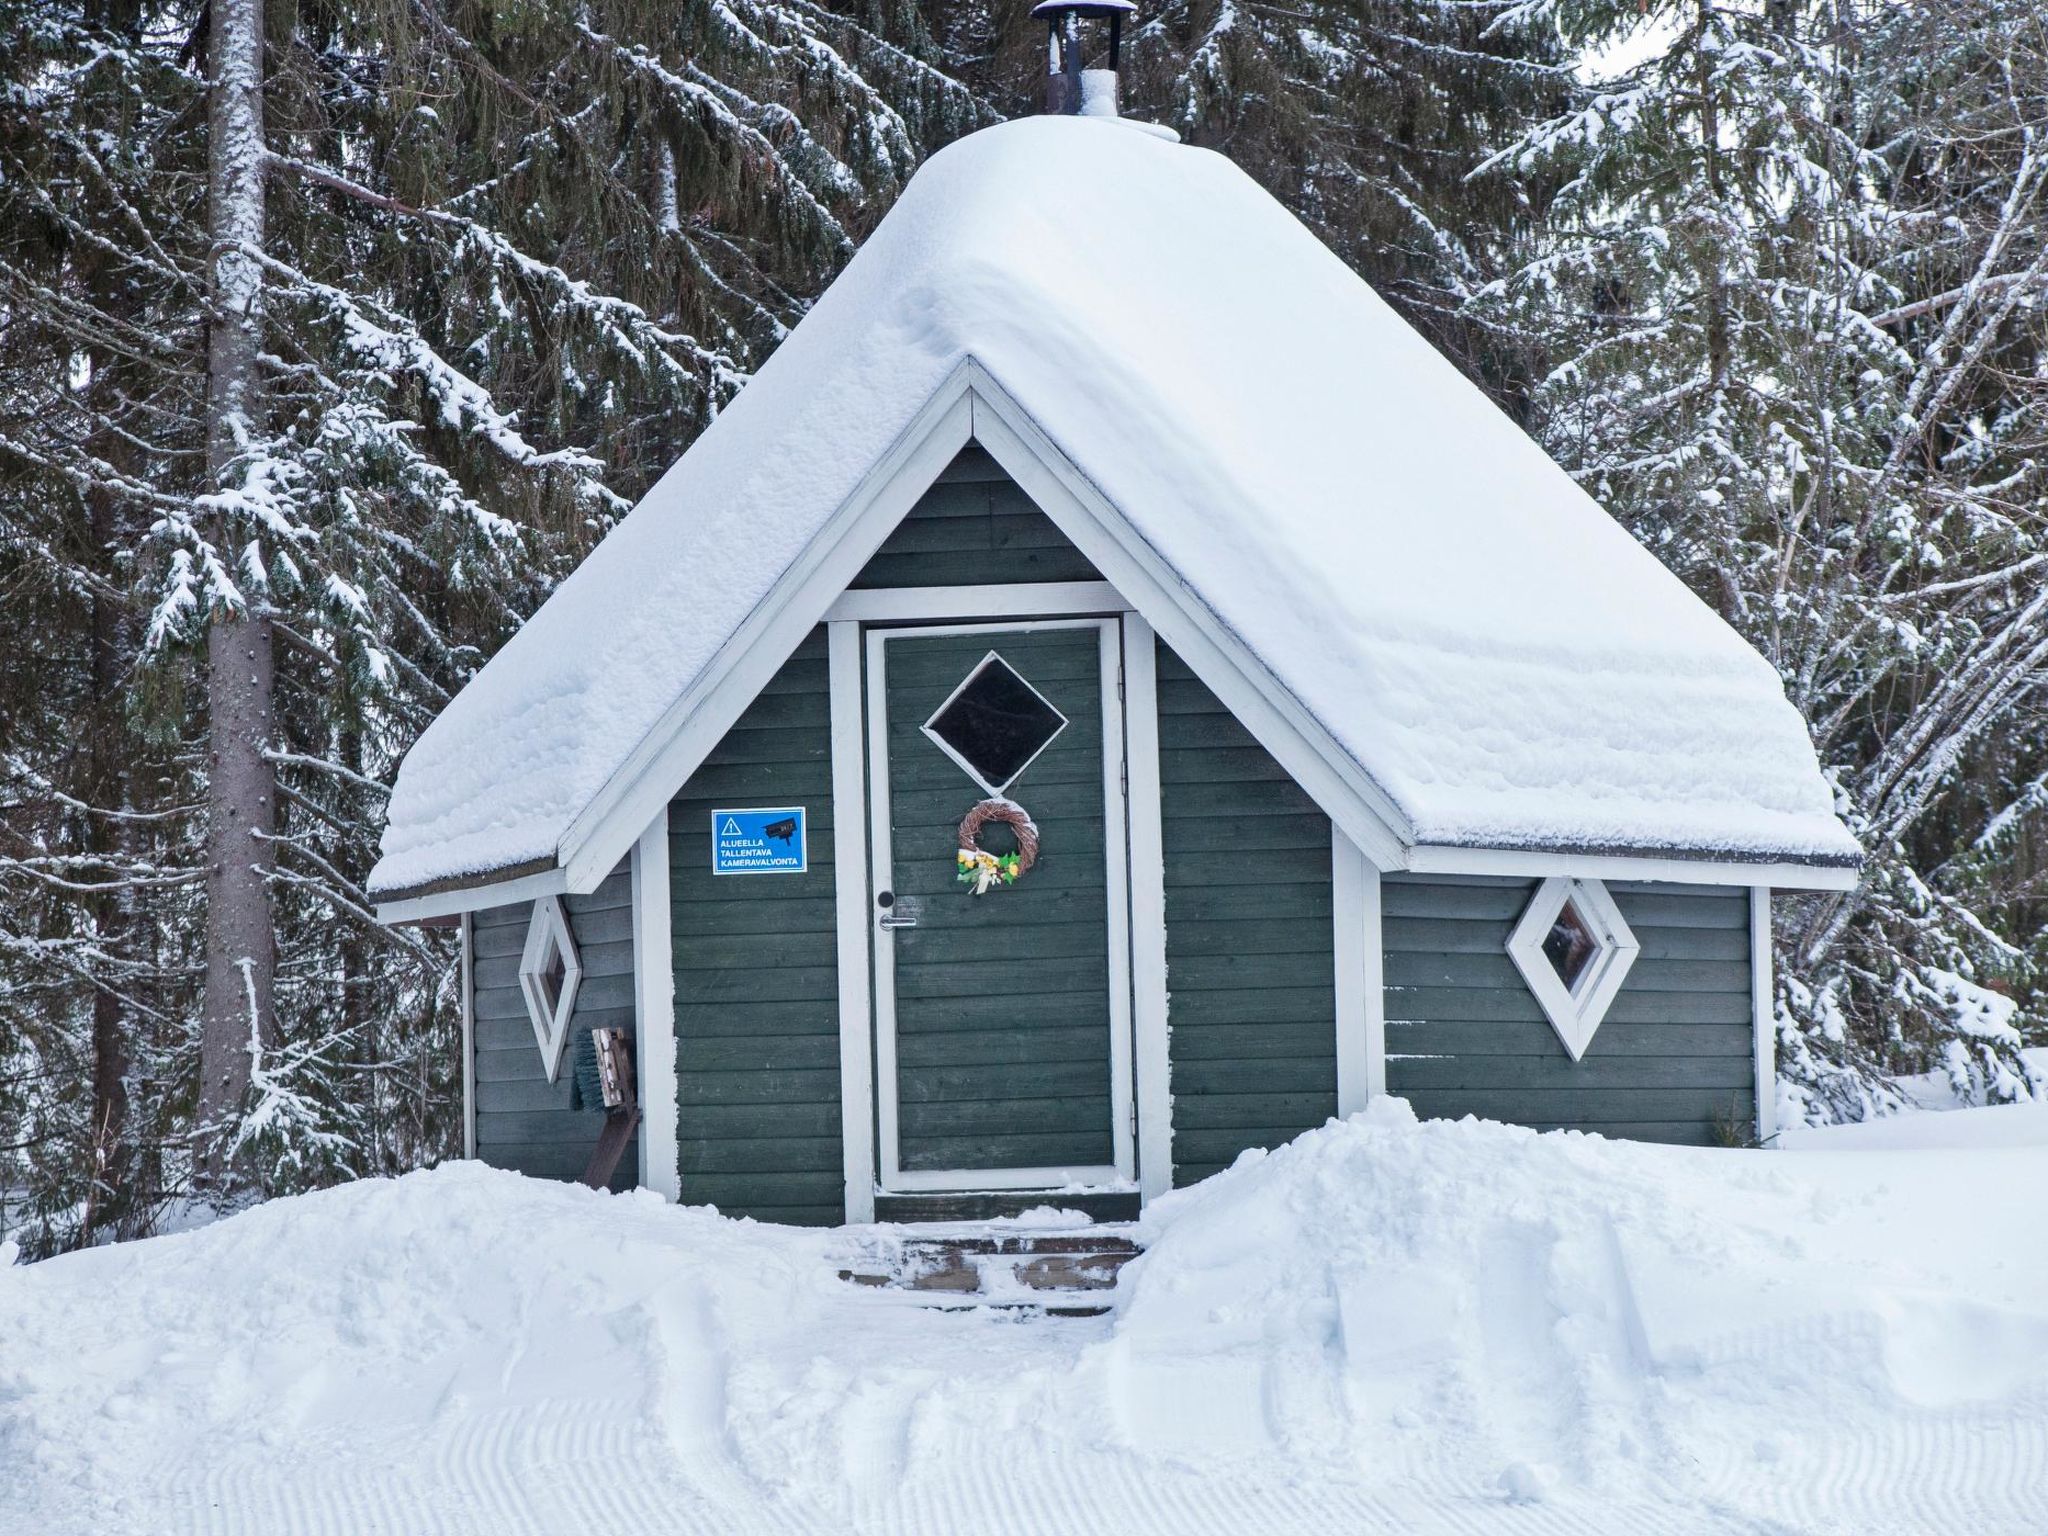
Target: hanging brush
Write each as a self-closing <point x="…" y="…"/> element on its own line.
<point x="604" y="1080"/>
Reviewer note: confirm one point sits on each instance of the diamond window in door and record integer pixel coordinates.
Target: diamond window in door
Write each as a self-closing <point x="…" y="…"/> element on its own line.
<point x="994" y="724"/>
<point x="549" y="971"/>
<point x="1574" y="950"/>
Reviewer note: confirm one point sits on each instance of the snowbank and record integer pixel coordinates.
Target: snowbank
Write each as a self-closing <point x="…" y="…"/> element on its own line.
<point x="1506" y="662"/>
<point x="1606" y="1318"/>
<point x="1424" y="1328"/>
<point x="1930" y="1122"/>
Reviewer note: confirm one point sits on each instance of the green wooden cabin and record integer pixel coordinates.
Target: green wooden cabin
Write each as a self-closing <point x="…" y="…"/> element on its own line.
<point x="1237" y="924"/>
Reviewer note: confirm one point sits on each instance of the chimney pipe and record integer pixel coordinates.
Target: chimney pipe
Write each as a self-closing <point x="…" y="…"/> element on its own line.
<point x="1070" y="89"/>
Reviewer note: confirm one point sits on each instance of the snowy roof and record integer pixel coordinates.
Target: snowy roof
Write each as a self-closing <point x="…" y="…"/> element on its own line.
<point x="1500" y="657"/>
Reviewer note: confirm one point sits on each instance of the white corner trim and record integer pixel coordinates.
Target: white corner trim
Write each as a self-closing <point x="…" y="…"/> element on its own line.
<point x="1347" y="944"/>
<point x="690" y="727"/>
<point x="1361" y="995"/>
<point x="1437" y="859"/>
<point x="1574" y="1012"/>
<point x="1019" y="600"/>
<point x="548" y="929"/>
<point x="1276" y="719"/>
<point x="654" y="1012"/>
<point x="1763" y="997"/>
<point x="1151" y="1057"/>
<point x="1116" y="860"/>
<point x="473" y="898"/>
<point x="852" y="923"/>
<point x="468" y="1035"/>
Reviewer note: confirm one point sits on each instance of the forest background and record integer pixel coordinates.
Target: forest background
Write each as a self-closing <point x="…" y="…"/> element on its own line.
<point x="333" y="333"/>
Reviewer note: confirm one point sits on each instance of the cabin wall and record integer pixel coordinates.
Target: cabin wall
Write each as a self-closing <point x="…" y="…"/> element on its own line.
<point x="974" y="527"/>
<point x="756" y="972"/>
<point x="1673" y="1061"/>
<point x="523" y="1121"/>
<point x="1249" y="945"/>
<point x="1250" y="957"/>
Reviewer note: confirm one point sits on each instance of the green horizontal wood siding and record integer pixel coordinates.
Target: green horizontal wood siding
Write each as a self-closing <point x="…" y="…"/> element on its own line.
<point x="1673" y="1061"/>
<point x="523" y="1121"/>
<point x="974" y="527"/>
<point x="1250" y="963"/>
<point x="757" y="981"/>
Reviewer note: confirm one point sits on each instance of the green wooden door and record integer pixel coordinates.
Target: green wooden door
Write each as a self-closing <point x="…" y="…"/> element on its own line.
<point x="1002" y="1020"/>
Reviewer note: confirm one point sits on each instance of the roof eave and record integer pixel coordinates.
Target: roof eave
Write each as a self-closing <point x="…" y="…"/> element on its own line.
<point x="971" y="405"/>
<point x="1774" y="868"/>
<point x="471" y="892"/>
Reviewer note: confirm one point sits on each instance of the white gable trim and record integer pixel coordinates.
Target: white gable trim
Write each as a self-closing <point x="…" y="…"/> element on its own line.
<point x="970" y="406"/>
<point x="1261" y="703"/>
<point x="699" y="719"/>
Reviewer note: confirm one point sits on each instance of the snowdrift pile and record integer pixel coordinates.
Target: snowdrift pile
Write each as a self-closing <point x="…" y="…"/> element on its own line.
<point x="1423" y="1327"/>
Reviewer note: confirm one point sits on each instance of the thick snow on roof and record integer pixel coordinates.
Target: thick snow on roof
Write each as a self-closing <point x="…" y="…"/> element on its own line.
<point x="1503" y="659"/>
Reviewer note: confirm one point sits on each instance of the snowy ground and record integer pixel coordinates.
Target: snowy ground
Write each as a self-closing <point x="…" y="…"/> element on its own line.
<point x="1386" y="1326"/>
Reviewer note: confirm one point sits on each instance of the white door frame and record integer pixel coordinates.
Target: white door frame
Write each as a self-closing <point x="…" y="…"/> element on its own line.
<point x="890" y="1176"/>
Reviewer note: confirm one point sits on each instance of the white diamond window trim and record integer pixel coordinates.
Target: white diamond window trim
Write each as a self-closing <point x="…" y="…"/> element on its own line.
<point x="549" y="973"/>
<point x="993" y="698"/>
<point x="1574" y="950"/>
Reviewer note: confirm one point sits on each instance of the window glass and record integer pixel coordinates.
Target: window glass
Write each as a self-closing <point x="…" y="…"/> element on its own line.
<point x="997" y="723"/>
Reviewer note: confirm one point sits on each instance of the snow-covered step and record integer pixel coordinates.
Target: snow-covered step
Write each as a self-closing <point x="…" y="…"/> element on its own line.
<point x="1064" y="1273"/>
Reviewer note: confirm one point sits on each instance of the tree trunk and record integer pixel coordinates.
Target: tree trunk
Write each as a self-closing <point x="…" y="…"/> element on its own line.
<point x="1716" y="292"/>
<point x="113" y="1047"/>
<point x="241" y="941"/>
<point x="112" y="1202"/>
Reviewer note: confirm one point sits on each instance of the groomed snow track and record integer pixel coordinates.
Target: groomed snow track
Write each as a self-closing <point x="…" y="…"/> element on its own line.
<point x="531" y="1473"/>
<point x="1382" y="1327"/>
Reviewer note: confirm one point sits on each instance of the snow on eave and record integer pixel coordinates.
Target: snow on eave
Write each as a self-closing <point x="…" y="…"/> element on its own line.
<point x="1473" y="634"/>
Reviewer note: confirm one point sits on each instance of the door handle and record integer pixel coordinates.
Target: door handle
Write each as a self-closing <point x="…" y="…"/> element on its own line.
<point x="891" y="920"/>
<point x="895" y="914"/>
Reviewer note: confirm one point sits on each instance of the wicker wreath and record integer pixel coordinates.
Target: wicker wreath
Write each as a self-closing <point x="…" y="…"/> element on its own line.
<point x="980" y="869"/>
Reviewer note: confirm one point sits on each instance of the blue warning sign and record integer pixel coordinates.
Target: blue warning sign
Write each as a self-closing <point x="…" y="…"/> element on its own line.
<point x="759" y="842"/>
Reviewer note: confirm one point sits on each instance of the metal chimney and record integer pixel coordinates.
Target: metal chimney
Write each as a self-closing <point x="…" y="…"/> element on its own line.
<point x="1070" y="90"/>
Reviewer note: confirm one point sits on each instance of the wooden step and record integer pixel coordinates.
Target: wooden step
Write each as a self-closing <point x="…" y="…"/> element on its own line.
<point x="1064" y="1272"/>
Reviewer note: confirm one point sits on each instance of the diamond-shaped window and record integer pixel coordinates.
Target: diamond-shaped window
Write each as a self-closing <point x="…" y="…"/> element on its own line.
<point x="1570" y="945"/>
<point x="994" y="724"/>
<point x="1574" y="950"/>
<point x="548" y="973"/>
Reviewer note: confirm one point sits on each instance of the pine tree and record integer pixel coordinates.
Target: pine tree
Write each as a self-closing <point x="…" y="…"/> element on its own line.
<point x="512" y="258"/>
<point x="1783" y="300"/>
<point x="239" y="508"/>
<point x="1367" y="121"/>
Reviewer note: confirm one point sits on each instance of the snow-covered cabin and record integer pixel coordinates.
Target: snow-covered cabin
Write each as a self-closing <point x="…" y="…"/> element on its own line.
<point x="1364" y="753"/>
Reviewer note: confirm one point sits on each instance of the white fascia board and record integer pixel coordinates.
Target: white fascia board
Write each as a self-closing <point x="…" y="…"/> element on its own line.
<point x="695" y="723"/>
<point x="1432" y="859"/>
<point x="473" y="898"/>
<point x="1018" y="600"/>
<point x="1262" y="704"/>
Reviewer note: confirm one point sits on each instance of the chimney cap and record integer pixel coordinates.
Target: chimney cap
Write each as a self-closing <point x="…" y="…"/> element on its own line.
<point x="1085" y="7"/>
